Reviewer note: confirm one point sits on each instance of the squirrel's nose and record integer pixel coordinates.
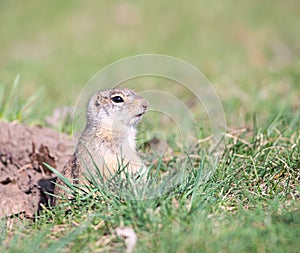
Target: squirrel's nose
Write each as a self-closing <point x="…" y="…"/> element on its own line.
<point x="144" y="103"/>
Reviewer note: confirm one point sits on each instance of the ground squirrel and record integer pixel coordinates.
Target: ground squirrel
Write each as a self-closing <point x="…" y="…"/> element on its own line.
<point x="109" y="135"/>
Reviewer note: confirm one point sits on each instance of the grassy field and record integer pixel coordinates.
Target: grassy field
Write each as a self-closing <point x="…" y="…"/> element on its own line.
<point x="249" y="51"/>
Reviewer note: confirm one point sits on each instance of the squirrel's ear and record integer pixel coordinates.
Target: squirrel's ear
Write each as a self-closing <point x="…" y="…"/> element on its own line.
<point x="98" y="101"/>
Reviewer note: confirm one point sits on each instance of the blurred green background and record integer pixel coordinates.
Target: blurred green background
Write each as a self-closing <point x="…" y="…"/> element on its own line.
<point x="249" y="50"/>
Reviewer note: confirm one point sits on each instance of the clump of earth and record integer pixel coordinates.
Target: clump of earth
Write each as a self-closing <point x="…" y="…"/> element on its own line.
<point x="25" y="181"/>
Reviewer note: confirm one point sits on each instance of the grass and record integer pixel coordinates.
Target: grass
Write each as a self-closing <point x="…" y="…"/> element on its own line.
<point x="250" y="53"/>
<point x="14" y="107"/>
<point x="250" y="204"/>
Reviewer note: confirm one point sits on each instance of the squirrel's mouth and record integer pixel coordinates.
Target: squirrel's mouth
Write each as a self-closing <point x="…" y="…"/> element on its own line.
<point x="137" y="118"/>
<point x="139" y="115"/>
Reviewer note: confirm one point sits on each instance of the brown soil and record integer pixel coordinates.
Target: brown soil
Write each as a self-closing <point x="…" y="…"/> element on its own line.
<point x="24" y="179"/>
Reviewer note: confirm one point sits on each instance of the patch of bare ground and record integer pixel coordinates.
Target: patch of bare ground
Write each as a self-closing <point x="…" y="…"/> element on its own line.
<point x="24" y="180"/>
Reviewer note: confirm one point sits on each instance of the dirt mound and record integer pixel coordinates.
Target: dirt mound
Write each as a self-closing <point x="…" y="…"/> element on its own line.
<point x="24" y="180"/>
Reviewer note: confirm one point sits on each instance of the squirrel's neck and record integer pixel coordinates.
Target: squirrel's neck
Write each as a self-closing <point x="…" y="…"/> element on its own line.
<point x="131" y="138"/>
<point x="123" y="138"/>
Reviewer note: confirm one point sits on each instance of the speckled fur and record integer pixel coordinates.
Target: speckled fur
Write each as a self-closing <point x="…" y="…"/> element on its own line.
<point x="109" y="136"/>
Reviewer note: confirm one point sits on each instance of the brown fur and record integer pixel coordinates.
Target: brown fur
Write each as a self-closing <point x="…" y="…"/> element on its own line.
<point x="109" y="136"/>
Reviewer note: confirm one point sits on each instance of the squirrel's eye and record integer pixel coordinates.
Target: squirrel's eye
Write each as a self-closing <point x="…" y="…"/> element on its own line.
<point x="117" y="99"/>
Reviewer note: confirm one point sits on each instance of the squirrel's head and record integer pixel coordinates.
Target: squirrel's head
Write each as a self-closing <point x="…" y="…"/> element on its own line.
<point x="116" y="108"/>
